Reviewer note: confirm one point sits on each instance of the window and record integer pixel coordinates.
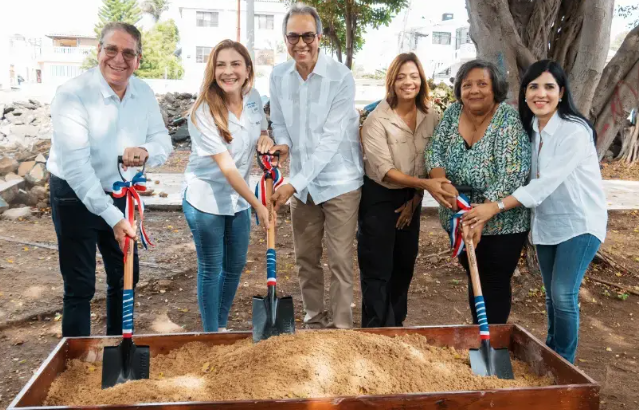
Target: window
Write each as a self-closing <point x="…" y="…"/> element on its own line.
<point x="202" y="54"/>
<point x="206" y="18"/>
<point x="462" y="36"/>
<point x="264" y="21"/>
<point x="441" y="37"/>
<point x="65" y="71"/>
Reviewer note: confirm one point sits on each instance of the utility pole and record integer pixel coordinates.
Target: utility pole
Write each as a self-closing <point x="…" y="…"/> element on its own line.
<point x="250" y="27"/>
<point x="238" y="19"/>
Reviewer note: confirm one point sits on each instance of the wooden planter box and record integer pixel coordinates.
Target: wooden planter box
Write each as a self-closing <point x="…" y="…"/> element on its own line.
<point x="574" y="390"/>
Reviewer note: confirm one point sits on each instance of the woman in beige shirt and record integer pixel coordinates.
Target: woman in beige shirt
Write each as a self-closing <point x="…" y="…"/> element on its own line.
<point x="394" y="138"/>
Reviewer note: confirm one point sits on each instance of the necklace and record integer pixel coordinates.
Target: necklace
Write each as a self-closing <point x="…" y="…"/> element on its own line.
<point x="477" y="126"/>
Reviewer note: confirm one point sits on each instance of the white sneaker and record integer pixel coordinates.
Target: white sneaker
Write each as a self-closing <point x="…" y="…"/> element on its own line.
<point x="222" y="330"/>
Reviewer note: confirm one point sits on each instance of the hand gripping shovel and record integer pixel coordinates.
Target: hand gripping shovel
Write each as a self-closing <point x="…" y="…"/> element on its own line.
<point x="272" y="316"/>
<point x="485" y="361"/>
<point x="127" y="361"/>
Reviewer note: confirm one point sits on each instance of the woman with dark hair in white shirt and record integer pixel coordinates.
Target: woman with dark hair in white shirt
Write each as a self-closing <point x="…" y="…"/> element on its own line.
<point x="565" y="193"/>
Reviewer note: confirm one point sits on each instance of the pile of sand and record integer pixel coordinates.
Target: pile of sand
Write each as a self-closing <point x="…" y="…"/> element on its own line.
<point x="304" y="365"/>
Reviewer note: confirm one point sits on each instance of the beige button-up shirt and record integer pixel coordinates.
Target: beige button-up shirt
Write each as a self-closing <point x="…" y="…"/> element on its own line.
<point x="390" y="144"/>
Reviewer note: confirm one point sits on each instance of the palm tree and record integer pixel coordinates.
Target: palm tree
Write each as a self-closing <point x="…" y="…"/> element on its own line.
<point x="155" y="8"/>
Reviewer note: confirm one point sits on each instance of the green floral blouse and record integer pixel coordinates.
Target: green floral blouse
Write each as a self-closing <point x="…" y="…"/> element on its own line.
<point x="495" y="166"/>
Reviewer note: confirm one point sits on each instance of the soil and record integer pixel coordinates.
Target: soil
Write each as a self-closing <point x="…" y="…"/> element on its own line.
<point x="309" y="365"/>
<point x="620" y="170"/>
<point x="31" y="296"/>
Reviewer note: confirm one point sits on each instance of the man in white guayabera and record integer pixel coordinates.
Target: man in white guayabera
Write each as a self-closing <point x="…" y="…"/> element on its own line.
<point x="98" y="116"/>
<point x="315" y="120"/>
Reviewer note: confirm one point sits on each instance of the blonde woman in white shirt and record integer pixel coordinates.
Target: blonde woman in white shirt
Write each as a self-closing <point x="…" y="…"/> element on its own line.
<point x="565" y="192"/>
<point x="226" y="124"/>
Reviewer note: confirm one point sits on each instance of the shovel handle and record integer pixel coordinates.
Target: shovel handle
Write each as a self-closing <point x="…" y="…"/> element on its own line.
<point x="127" y="295"/>
<point x="480" y="305"/>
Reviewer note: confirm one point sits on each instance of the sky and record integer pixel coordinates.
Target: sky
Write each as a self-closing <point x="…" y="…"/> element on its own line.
<point x="35" y="18"/>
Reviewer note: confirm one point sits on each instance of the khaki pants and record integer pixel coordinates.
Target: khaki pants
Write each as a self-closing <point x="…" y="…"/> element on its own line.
<point x="338" y="219"/>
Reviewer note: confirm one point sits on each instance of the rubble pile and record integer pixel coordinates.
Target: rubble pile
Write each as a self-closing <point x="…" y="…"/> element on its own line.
<point x="174" y="108"/>
<point x="25" y="139"/>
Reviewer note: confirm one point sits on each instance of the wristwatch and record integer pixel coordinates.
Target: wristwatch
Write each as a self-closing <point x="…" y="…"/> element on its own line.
<point x="501" y="206"/>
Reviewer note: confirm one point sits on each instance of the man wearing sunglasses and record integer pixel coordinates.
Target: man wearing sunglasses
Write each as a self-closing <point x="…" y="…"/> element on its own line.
<point x="314" y="118"/>
<point x="96" y="117"/>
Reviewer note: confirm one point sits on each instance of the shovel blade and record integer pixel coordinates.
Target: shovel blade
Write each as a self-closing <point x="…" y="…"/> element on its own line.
<point x="122" y="363"/>
<point x="267" y="323"/>
<point x="487" y="361"/>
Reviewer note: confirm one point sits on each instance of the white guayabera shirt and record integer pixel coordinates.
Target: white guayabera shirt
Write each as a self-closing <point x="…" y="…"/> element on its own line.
<point x="91" y="127"/>
<point x="317" y="119"/>
<point x="565" y="192"/>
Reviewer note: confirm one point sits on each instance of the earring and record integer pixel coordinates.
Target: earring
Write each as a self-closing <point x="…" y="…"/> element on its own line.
<point x="560" y="100"/>
<point x="525" y="99"/>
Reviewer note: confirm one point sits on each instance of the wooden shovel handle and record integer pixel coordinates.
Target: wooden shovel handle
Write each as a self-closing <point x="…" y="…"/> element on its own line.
<point x="128" y="266"/>
<point x="270" y="238"/>
<point x="472" y="262"/>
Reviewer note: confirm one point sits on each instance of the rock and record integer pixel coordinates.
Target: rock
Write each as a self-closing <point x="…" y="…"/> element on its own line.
<point x="24" y="104"/>
<point x="184" y="96"/>
<point x="25" y="167"/>
<point x="8" y="109"/>
<point x="165" y="283"/>
<point x="2" y="111"/>
<point x="165" y="116"/>
<point x="37" y="176"/>
<point x="9" y="189"/>
<point x="8" y="165"/>
<point x="181" y="134"/>
<point x="11" y="176"/>
<point x="39" y="192"/>
<point x="169" y="98"/>
<point x="17" y="213"/>
<point x="42" y="205"/>
<point x="609" y="155"/>
<point x="41" y="159"/>
<point x="35" y="102"/>
<point x="3" y="205"/>
<point x="25" y="130"/>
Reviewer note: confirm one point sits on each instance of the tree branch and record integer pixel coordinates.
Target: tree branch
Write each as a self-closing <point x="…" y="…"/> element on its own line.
<point x="616" y="70"/>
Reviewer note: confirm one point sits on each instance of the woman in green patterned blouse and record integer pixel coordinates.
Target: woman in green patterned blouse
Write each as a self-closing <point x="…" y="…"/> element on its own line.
<point x="481" y="143"/>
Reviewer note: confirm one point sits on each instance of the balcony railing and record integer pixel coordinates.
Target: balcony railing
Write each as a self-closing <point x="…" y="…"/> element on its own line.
<point x="85" y="51"/>
<point x="65" y="54"/>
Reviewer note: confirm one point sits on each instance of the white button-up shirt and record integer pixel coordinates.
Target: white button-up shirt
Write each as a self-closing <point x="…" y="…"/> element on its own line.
<point x="565" y="192"/>
<point x="206" y="186"/>
<point x="91" y="127"/>
<point x="317" y="119"/>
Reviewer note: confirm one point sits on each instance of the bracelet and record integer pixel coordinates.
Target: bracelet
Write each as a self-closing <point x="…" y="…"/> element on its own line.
<point x="501" y="206"/>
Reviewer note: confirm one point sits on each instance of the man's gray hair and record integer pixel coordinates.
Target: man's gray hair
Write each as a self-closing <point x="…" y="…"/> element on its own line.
<point x="127" y="28"/>
<point x="302" y="9"/>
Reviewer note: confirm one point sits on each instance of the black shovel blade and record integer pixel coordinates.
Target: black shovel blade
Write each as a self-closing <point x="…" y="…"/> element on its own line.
<point x="268" y="322"/>
<point x="487" y="361"/>
<point x="124" y="362"/>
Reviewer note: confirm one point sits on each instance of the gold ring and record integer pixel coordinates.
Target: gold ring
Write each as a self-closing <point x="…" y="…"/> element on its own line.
<point x="136" y="157"/>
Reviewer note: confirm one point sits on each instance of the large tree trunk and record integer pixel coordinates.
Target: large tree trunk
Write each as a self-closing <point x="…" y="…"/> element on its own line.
<point x="350" y="32"/>
<point x="575" y="33"/>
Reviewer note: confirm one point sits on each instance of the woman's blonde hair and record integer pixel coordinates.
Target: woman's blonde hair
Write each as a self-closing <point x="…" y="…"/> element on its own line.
<point x="213" y="95"/>
<point x="422" y="98"/>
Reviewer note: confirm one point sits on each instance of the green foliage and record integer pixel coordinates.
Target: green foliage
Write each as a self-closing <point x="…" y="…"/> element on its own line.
<point x="442" y="95"/>
<point x="126" y="11"/>
<point x="365" y="13"/>
<point x="155" y="8"/>
<point x="158" y="52"/>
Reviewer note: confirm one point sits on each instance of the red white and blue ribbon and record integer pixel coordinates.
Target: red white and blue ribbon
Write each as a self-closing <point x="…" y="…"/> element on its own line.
<point x="456" y="231"/>
<point x="270" y="172"/>
<point x="482" y="319"/>
<point x="129" y="189"/>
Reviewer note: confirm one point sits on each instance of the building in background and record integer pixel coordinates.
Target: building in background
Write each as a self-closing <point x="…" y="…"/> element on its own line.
<point x="442" y="46"/>
<point x="61" y="58"/>
<point x="204" y="23"/>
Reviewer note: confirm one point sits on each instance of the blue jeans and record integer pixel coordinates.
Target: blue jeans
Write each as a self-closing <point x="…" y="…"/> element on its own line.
<point x="563" y="267"/>
<point x="221" y="242"/>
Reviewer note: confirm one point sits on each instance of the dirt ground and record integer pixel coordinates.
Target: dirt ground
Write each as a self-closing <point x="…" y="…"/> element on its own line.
<point x="31" y="294"/>
<point x="619" y="170"/>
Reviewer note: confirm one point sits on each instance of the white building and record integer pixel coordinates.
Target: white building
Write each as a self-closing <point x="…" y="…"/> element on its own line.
<point x="204" y="23"/>
<point x="21" y="56"/>
<point x="441" y="46"/>
<point x="61" y="58"/>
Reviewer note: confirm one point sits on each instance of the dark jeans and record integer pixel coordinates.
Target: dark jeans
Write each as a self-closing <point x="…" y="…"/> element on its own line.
<point x="386" y="255"/>
<point x="79" y="231"/>
<point x="497" y="258"/>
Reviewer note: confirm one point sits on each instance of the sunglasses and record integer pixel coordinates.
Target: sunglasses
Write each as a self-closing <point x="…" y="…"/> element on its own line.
<point x="112" y="51"/>
<point x="294" y="38"/>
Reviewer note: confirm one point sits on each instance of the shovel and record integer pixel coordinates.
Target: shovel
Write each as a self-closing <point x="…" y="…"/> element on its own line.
<point x="485" y="361"/>
<point x="127" y="361"/>
<point x="272" y="316"/>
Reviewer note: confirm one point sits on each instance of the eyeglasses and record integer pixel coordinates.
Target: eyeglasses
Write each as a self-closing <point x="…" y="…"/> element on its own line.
<point x="294" y="38"/>
<point x="112" y="51"/>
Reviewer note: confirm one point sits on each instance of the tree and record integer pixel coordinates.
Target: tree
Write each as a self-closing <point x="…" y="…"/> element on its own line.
<point x="345" y="22"/>
<point x="126" y="11"/>
<point x="576" y="34"/>
<point x="155" y="8"/>
<point x="158" y="52"/>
